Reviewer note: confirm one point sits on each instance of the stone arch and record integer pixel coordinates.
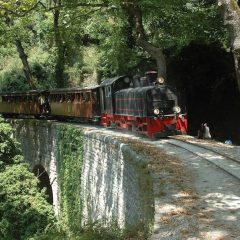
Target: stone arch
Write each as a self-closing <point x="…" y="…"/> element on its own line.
<point x="44" y="181"/>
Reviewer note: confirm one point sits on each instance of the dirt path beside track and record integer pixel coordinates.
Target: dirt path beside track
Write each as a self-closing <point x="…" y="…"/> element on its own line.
<point x="208" y="206"/>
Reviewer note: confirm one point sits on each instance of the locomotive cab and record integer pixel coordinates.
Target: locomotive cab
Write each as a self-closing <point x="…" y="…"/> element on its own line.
<point x="108" y="88"/>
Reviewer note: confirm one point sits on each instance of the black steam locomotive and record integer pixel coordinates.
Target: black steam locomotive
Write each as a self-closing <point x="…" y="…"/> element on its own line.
<point x="143" y="105"/>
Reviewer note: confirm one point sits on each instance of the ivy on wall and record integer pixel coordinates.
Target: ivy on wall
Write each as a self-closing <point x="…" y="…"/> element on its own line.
<point x="70" y="158"/>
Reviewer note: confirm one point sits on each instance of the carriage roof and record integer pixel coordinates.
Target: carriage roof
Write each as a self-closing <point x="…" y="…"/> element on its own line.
<point x="52" y="91"/>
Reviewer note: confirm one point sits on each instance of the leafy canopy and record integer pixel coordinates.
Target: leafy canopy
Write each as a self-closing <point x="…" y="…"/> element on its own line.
<point x="24" y="209"/>
<point x="103" y="31"/>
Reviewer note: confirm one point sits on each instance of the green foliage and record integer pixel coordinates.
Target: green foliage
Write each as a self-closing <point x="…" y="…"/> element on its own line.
<point x="104" y="34"/>
<point x="94" y="232"/>
<point x="115" y="53"/>
<point x="13" y="80"/>
<point x="24" y="210"/>
<point x="12" y="77"/>
<point x="9" y="148"/>
<point x="69" y="169"/>
<point x="176" y="24"/>
<point x="42" y="67"/>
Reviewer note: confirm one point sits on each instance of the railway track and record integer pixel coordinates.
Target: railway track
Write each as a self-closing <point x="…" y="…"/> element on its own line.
<point x="228" y="164"/>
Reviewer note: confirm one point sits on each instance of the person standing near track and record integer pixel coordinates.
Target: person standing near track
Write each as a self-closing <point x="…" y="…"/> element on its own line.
<point x="201" y="131"/>
<point x="206" y="134"/>
<point x="42" y="101"/>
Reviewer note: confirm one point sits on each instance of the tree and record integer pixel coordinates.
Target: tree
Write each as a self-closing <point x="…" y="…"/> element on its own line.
<point x="159" y="25"/>
<point x="24" y="210"/>
<point x="125" y="36"/>
<point x="136" y="16"/>
<point x="231" y="16"/>
<point x="55" y="7"/>
<point x="9" y="11"/>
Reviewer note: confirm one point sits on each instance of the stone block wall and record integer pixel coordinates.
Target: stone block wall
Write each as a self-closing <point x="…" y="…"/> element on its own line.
<point x="39" y="146"/>
<point x="115" y="185"/>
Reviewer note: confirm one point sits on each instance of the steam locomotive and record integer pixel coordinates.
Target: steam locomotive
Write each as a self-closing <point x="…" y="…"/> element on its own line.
<point x="140" y="104"/>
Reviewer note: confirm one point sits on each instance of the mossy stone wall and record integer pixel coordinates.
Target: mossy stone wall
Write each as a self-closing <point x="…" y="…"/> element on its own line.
<point x="94" y="177"/>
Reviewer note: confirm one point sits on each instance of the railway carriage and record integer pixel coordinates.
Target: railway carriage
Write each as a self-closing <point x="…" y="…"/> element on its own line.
<point x="80" y="103"/>
<point x="16" y="103"/>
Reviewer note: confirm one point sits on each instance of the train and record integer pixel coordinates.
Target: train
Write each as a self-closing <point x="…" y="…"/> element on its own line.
<point x="143" y="105"/>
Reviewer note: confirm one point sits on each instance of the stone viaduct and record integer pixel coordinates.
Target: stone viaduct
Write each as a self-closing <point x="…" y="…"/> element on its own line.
<point x="89" y="175"/>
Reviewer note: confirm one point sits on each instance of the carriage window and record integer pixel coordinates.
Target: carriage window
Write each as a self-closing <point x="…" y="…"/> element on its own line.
<point x="103" y="99"/>
<point x="56" y="97"/>
<point x="69" y="98"/>
<point x="87" y="96"/>
<point x="94" y="96"/>
<point x="62" y="98"/>
<point x="78" y="97"/>
<point x="83" y="96"/>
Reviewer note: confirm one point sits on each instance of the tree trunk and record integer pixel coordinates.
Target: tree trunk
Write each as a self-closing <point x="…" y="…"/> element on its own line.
<point x="60" y="62"/>
<point x="135" y="12"/>
<point x="231" y="17"/>
<point x="23" y="56"/>
<point x="24" y="60"/>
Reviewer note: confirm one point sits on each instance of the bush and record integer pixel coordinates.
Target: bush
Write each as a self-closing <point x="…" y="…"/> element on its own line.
<point x="13" y="80"/>
<point x="44" y="77"/>
<point x="24" y="210"/>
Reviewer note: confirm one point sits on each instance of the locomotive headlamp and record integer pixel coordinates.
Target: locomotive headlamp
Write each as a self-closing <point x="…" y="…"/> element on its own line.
<point x="176" y="109"/>
<point x="156" y="111"/>
<point x="160" y="80"/>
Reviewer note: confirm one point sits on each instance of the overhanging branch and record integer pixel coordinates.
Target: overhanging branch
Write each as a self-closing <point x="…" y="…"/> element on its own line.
<point x="19" y="13"/>
<point x="23" y="13"/>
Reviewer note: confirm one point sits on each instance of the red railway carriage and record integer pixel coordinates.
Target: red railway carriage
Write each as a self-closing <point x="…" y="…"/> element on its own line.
<point x="148" y="109"/>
